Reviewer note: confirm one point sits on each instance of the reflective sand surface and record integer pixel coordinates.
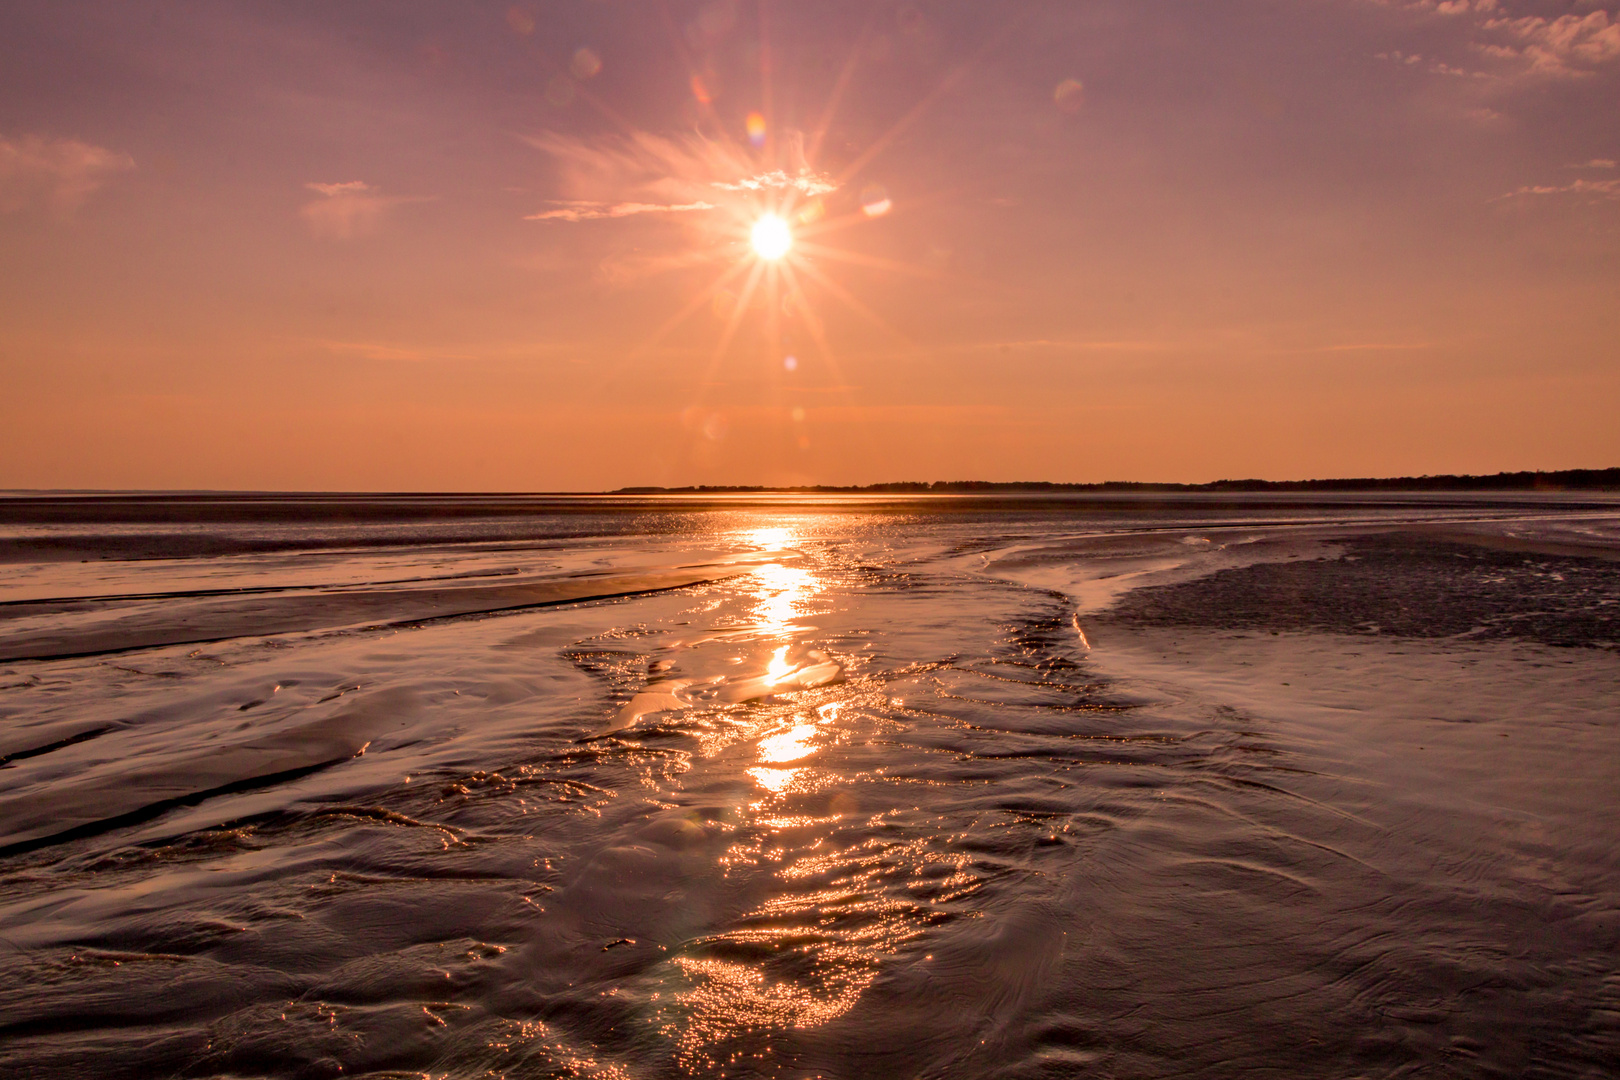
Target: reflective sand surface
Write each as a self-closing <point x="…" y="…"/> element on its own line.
<point x="826" y="788"/>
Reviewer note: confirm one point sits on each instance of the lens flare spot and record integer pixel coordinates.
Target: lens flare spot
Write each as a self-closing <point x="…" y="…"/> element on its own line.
<point x="875" y="200"/>
<point x="1069" y="95"/>
<point x="771" y="237"/>
<point x="586" y="64"/>
<point x="756" y="129"/>
<point x="519" y="20"/>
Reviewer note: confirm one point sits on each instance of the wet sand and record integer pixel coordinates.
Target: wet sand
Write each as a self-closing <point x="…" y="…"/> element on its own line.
<point x="970" y="789"/>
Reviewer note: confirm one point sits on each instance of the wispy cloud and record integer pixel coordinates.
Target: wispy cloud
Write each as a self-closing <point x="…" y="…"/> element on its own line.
<point x="1597" y="189"/>
<point x="578" y="210"/>
<point x="348" y="209"/>
<point x="805" y="182"/>
<point x="1524" y="43"/>
<point x="641" y="173"/>
<point x="1568" y="45"/>
<point x="1433" y="67"/>
<point x="57" y="174"/>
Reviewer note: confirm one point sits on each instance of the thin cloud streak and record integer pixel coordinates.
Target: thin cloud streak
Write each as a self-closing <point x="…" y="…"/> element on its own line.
<point x="587" y="211"/>
<point x="806" y="183"/>
<point x="622" y="175"/>
<point x="1602" y="189"/>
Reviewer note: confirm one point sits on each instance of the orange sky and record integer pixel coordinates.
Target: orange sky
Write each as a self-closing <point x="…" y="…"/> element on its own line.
<point x="436" y="246"/>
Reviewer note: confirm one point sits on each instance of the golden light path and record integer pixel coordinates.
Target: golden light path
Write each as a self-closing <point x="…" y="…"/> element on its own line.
<point x="833" y="891"/>
<point x="781" y="219"/>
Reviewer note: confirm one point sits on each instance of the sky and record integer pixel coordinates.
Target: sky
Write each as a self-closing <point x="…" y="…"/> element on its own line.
<point x="485" y="246"/>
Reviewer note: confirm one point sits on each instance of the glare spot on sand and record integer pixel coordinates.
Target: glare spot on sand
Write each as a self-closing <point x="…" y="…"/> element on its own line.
<point x="771" y="539"/>
<point x="782" y="590"/>
<point x="775" y="781"/>
<point x="779" y="668"/>
<point x="790" y="745"/>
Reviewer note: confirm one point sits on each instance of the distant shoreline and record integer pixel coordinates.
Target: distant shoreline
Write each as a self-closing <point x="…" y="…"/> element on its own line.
<point x="1554" y="481"/>
<point x="1560" y="480"/>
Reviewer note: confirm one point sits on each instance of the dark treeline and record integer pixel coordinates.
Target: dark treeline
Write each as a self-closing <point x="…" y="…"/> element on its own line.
<point x="1561" y="480"/>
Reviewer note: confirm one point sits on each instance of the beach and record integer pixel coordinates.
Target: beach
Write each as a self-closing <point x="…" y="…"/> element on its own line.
<point x="810" y="786"/>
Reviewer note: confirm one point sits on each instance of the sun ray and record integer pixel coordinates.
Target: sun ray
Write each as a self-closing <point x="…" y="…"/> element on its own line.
<point x="736" y="317"/>
<point x="695" y="76"/>
<point x="837" y="224"/>
<point x="818" y="334"/>
<point x="773" y="312"/>
<point x="861" y="217"/>
<point x="766" y="103"/>
<point x="813" y="151"/>
<point x="875" y="262"/>
<point x="705" y="296"/>
<point x="802" y="310"/>
<point x="777" y="256"/>
<point x="853" y="302"/>
<point x="918" y="110"/>
<point x="732" y="323"/>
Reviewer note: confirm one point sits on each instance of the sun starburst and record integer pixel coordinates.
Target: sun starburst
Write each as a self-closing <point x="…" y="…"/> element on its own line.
<point x="758" y="201"/>
<point x="771" y="237"/>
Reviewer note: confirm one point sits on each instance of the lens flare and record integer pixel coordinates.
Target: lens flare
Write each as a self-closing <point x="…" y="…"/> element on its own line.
<point x="875" y="200"/>
<point x="756" y="129"/>
<point x="771" y="237"/>
<point x="586" y="64"/>
<point x="1070" y="95"/>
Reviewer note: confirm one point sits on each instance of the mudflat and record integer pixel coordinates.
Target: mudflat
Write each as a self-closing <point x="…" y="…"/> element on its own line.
<point x="817" y="786"/>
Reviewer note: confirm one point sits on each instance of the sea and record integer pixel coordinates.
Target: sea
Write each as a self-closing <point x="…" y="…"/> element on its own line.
<point x="810" y="786"/>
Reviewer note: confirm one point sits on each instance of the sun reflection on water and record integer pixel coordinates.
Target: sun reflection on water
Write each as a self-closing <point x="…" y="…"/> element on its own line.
<point x="779" y="668"/>
<point x="782" y="593"/>
<point x="772" y="538"/>
<point x="775" y="781"/>
<point x="790" y="745"/>
<point x="836" y="904"/>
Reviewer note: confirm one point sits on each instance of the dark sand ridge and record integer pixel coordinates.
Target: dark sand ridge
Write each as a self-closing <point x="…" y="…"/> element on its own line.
<point x="123" y="625"/>
<point x="1417" y="583"/>
<point x="1241" y="577"/>
<point x="111" y="800"/>
<point x="116" y="799"/>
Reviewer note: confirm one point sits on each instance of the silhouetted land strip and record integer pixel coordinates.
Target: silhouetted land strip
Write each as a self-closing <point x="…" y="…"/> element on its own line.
<point x="1560" y="480"/>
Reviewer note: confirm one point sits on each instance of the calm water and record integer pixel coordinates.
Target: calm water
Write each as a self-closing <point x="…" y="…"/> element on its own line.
<point x="817" y="788"/>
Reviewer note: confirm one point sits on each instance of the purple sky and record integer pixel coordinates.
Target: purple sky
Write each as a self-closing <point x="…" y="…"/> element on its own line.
<point x="477" y="246"/>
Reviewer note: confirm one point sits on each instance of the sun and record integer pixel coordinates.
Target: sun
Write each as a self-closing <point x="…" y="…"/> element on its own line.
<point x="771" y="238"/>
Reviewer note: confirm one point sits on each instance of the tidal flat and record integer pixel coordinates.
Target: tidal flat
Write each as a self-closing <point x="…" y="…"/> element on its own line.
<point x="810" y="786"/>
